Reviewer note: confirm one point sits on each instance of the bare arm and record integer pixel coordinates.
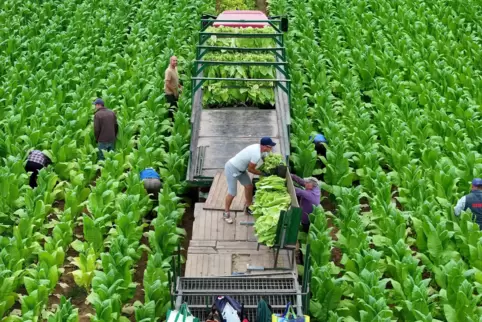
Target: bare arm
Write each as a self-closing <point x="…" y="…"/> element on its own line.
<point x="252" y="169"/>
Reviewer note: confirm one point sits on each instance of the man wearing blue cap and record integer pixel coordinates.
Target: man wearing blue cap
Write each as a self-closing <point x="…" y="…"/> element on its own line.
<point x="235" y="170"/>
<point x="105" y="128"/>
<point x="472" y="201"/>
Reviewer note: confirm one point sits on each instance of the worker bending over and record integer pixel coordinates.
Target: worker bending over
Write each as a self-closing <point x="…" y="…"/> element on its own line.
<point x="320" y="142"/>
<point x="472" y="201"/>
<point x="235" y="170"/>
<point x="152" y="182"/>
<point x="36" y="161"/>
<point x="308" y="197"/>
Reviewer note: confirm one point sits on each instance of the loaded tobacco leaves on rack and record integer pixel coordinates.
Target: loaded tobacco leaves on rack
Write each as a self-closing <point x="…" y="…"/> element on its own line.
<point x="229" y="93"/>
<point x="241" y="42"/>
<point x="236" y="5"/>
<point x="271" y="197"/>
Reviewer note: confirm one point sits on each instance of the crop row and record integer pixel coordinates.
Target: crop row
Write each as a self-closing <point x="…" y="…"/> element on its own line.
<point x="53" y="68"/>
<point x="399" y="108"/>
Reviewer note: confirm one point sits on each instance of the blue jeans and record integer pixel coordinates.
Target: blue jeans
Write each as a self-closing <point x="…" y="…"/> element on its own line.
<point x="107" y="146"/>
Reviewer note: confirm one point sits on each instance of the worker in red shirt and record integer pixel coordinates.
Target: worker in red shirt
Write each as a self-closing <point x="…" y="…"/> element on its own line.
<point x="36" y="161"/>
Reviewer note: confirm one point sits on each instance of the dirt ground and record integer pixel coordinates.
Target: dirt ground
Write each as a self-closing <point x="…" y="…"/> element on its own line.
<point x="68" y="288"/>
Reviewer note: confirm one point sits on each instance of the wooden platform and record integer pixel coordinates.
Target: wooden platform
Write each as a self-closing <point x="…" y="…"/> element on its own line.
<point x="219" y="134"/>
<point x="219" y="187"/>
<point x="221" y="249"/>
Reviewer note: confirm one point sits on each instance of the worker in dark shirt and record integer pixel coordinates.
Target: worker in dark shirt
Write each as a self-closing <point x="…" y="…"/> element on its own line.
<point x="309" y="198"/>
<point x="152" y="182"/>
<point x="36" y="161"/>
<point x="105" y="128"/>
<point x="472" y="201"/>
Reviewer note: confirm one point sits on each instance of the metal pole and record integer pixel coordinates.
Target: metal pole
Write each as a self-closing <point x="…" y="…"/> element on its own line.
<point x="179" y="259"/>
<point x="170" y="288"/>
<point x="306" y="276"/>
<point x="174" y="272"/>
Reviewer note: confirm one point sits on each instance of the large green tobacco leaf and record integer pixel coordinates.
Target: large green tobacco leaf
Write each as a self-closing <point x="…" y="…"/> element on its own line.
<point x="93" y="233"/>
<point x="65" y="312"/>
<point x="328" y="292"/>
<point x="7" y="295"/>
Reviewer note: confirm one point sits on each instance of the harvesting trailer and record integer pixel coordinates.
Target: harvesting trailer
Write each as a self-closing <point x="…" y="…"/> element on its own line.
<point x="218" y="134"/>
<point x="225" y="259"/>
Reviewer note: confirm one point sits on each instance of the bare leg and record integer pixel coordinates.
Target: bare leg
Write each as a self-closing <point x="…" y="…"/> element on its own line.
<point x="228" y="202"/>
<point x="248" y="193"/>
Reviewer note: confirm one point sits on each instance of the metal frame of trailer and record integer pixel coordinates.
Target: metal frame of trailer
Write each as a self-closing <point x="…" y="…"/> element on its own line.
<point x="222" y="259"/>
<point x="211" y="127"/>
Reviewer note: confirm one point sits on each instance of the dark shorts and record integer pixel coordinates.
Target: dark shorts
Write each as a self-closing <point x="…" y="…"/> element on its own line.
<point x="172" y="100"/>
<point x="33" y="167"/>
<point x="320" y="149"/>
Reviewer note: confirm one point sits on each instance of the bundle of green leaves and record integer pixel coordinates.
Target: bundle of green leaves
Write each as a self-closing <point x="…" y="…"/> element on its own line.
<point x="271" y="198"/>
<point x="271" y="162"/>
<point x="226" y="41"/>
<point x="229" y="93"/>
<point x="236" y="5"/>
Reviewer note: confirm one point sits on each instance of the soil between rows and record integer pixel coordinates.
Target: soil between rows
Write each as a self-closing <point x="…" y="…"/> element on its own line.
<point x="78" y="295"/>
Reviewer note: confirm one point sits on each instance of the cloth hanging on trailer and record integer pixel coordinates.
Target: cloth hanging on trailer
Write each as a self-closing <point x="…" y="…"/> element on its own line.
<point x="181" y="315"/>
<point x="263" y="312"/>
<point x="230" y="309"/>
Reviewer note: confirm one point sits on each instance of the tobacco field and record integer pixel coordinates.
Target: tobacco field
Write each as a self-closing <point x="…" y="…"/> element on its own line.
<point x="395" y="86"/>
<point x="82" y="234"/>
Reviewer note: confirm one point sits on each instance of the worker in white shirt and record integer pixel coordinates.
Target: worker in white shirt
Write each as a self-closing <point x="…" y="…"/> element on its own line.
<point x="236" y="170"/>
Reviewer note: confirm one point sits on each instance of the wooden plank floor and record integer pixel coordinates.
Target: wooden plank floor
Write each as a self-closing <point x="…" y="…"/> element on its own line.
<point x="220" y="249"/>
<point x="218" y="192"/>
<point x="225" y="132"/>
<point x="239" y="123"/>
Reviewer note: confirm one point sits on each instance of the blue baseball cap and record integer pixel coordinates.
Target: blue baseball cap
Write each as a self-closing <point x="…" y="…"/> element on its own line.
<point x="98" y="101"/>
<point x="267" y="141"/>
<point x="477" y="182"/>
<point x="320" y="138"/>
